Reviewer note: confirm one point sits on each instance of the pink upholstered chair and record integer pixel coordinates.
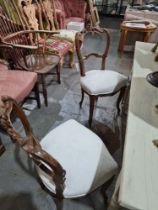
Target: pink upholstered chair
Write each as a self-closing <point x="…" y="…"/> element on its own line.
<point x="18" y="84"/>
<point x="70" y="10"/>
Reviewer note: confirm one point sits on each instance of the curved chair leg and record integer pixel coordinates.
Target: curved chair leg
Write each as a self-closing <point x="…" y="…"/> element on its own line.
<point x="82" y="97"/>
<point x="91" y="109"/>
<point x="58" y="203"/>
<point x="122" y="91"/>
<point x="44" y="89"/>
<point x="71" y="57"/>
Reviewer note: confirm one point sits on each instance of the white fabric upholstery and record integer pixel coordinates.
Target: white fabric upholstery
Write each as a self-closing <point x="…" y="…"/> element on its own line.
<point x="82" y="154"/>
<point x="102" y="82"/>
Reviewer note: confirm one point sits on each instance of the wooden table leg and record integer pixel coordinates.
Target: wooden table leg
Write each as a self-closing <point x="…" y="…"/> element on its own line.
<point x="119" y="46"/>
<point x="146" y="37"/>
<point x="122" y="41"/>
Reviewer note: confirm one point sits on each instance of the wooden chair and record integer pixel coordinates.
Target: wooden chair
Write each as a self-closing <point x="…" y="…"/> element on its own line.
<point x="51" y="23"/>
<point x="97" y="83"/>
<point x="54" y="164"/>
<point x="38" y="16"/>
<point x="26" y="52"/>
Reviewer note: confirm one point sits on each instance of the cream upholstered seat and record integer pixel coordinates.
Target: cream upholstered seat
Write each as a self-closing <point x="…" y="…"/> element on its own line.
<point x="97" y="83"/>
<point x="82" y="154"/>
<point x="102" y="82"/>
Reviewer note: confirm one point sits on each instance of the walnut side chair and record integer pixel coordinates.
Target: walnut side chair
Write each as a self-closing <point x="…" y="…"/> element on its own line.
<point x="96" y="83"/>
<point x="63" y="155"/>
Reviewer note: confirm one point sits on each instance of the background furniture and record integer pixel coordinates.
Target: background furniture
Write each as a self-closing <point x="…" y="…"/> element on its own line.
<point x="97" y="83"/>
<point x="78" y="26"/>
<point x="137" y="188"/>
<point x="75" y="11"/>
<point x="31" y="50"/>
<point x="61" y="174"/>
<point x="145" y="15"/>
<point x="70" y="11"/>
<point x="125" y="29"/>
<point x="58" y="46"/>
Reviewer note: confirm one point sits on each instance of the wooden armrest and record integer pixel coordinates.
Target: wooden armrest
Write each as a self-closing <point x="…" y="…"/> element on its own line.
<point x="30" y="47"/>
<point x="9" y="45"/>
<point x="28" y="32"/>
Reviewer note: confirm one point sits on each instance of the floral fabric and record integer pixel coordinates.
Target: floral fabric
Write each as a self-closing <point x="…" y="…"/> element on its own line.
<point x="52" y="45"/>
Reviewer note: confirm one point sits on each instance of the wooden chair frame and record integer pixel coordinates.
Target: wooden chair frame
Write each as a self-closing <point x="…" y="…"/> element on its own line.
<point x="81" y="58"/>
<point x="30" y="143"/>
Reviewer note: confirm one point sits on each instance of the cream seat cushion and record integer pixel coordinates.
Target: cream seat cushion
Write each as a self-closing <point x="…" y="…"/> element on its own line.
<point x="66" y="34"/>
<point x="82" y="154"/>
<point x="97" y="82"/>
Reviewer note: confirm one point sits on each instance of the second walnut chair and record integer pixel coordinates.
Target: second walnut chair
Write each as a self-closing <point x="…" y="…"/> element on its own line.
<point x="97" y="83"/>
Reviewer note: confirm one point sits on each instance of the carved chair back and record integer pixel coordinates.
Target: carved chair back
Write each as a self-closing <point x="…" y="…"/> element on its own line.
<point x="88" y="45"/>
<point x="29" y="143"/>
<point x="38" y="14"/>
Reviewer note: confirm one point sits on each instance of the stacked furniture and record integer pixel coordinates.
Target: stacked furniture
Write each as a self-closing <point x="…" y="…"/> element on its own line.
<point x="32" y="50"/>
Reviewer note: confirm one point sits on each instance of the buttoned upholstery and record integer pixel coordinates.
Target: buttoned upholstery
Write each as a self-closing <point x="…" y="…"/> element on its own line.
<point x="82" y="154"/>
